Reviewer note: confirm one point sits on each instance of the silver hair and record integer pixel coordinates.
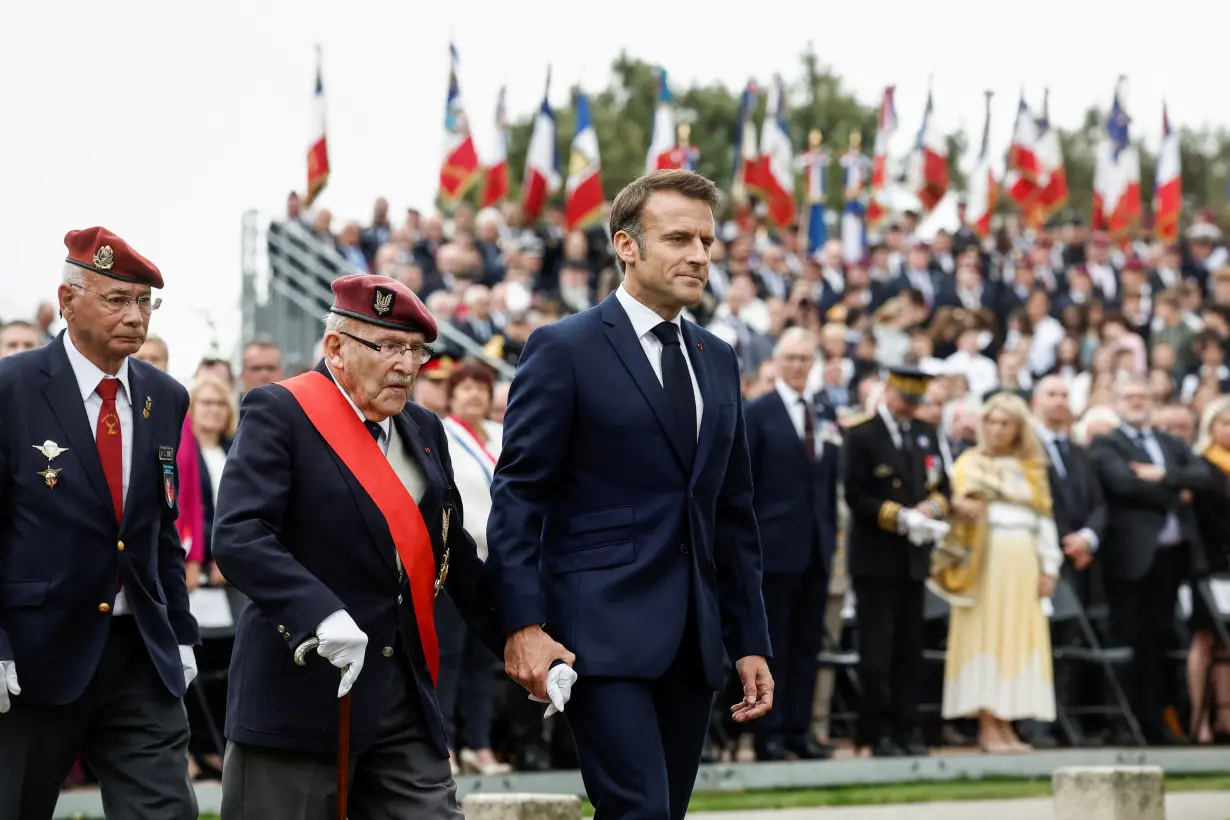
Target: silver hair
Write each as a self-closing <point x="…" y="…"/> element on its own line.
<point x="336" y="323"/>
<point x="73" y="275"/>
<point x="790" y="334"/>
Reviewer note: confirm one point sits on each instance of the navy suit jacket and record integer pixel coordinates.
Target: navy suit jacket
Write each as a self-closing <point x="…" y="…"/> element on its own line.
<point x="61" y="549"/>
<point x="598" y="529"/>
<point x="796" y="499"/>
<point x="297" y="534"/>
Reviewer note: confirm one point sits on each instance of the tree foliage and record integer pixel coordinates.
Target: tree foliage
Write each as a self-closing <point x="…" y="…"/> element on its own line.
<point x="818" y="99"/>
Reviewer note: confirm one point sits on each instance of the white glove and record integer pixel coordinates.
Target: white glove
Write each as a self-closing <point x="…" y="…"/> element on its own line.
<point x="187" y="659"/>
<point x="909" y="524"/>
<point x="559" y="688"/>
<point x="343" y="644"/>
<point x="8" y="684"/>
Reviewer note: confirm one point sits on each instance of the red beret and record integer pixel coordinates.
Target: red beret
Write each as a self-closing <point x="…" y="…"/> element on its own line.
<point x="382" y="301"/>
<point x="101" y="251"/>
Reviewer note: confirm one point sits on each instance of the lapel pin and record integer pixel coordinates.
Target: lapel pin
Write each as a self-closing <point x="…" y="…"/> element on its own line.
<point x="51" y="476"/>
<point x="700" y="346"/>
<point x="148" y="403"/>
<point x="426" y="449"/>
<point x="50" y="449"/>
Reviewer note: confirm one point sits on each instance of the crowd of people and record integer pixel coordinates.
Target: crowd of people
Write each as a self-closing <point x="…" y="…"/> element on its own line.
<point x="1075" y="385"/>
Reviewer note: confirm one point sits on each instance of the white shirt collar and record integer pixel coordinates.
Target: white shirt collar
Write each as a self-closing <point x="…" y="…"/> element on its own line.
<point x="789" y="395"/>
<point x="642" y="317"/>
<point x="89" y="375"/>
<point x="384" y="425"/>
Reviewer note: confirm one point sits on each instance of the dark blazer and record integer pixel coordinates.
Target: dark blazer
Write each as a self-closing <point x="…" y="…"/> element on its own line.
<point x="1078" y="499"/>
<point x="1212" y="508"/>
<point x="61" y="549"/>
<point x="1137" y="509"/>
<point x="795" y="499"/>
<point x="207" y="498"/>
<point x="598" y="529"/>
<point x="877" y="484"/>
<point x="296" y="533"/>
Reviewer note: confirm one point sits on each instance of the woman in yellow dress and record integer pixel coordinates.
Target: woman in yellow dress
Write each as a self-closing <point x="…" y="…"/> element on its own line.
<point x="1003" y="532"/>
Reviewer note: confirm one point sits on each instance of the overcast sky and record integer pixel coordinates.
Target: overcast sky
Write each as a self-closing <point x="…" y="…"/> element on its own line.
<point x="165" y="121"/>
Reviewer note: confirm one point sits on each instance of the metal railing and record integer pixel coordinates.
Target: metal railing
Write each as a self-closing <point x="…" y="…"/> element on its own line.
<point x="291" y="311"/>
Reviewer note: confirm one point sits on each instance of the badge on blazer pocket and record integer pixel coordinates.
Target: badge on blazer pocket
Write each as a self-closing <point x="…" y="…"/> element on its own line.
<point x="166" y="455"/>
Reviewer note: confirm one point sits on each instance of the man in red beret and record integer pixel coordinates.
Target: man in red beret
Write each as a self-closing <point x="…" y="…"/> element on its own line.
<point x="338" y="517"/>
<point x="96" y="635"/>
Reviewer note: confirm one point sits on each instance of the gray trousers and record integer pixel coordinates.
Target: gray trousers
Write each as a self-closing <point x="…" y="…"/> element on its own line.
<point x="400" y="777"/>
<point x="131" y="731"/>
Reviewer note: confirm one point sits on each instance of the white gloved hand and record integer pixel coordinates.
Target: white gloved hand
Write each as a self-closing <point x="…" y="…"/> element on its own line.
<point x="559" y="688"/>
<point x="343" y="644"/>
<point x="187" y="659"/>
<point x="908" y="522"/>
<point x="8" y="684"/>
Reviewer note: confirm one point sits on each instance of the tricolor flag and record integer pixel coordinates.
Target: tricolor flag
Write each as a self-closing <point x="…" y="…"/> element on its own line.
<point x="1051" y="191"/>
<point x="885" y="128"/>
<point x="775" y="172"/>
<point x="815" y="167"/>
<point x="583" y="196"/>
<point x="687" y="153"/>
<point x="541" y="160"/>
<point x="461" y="168"/>
<point x="744" y="186"/>
<point x="982" y="189"/>
<point x="496" y="186"/>
<point x="1021" y="179"/>
<point x="1116" y="178"/>
<point x="930" y="160"/>
<point x="318" y="148"/>
<point x="662" y="153"/>
<point x="854" y="173"/>
<point x="1167" y="188"/>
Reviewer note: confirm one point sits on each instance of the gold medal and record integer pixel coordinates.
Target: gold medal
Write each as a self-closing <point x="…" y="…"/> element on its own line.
<point x="145" y="410"/>
<point x="51" y="476"/>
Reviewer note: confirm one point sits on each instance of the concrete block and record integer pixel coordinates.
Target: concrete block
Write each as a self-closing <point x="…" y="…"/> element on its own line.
<point x="521" y="807"/>
<point x="1109" y="793"/>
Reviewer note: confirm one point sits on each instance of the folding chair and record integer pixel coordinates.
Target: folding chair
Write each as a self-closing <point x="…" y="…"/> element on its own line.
<point x="1067" y="607"/>
<point x="844" y="663"/>
<point x="935" y="616"/>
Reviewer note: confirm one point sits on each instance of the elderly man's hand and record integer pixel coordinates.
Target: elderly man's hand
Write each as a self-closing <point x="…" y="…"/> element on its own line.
<point x="528" y="654"/>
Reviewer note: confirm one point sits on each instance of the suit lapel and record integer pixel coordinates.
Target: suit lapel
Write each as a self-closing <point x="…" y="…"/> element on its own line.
<point x="628" y="347"/>
<point x="140" y="463"/>
<point x="704" y="378"/>
<point x="63" y="397"/>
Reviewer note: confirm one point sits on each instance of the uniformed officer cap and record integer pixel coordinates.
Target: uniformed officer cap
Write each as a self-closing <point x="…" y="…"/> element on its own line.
<point x="910" y="382"/>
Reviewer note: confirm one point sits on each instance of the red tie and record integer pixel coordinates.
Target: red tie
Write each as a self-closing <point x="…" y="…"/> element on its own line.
<point x="110" y="444"/>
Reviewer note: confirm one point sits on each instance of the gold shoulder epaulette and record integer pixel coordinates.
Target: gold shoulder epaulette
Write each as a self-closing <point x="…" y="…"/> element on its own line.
<point x="857" y="419"/>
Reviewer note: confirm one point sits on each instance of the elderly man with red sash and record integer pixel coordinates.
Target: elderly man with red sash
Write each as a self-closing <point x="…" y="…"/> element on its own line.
<point x="338" y="517"/>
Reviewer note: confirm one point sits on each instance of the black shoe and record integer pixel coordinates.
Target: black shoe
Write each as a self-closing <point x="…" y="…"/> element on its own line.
<point x="810" y="749"/>
<point x="533" y="759"/>
<point x="886" y="748"/>
<point x="771" y="751"/>
<point x="1041" y="739"/>
<point x="912" y="744"/>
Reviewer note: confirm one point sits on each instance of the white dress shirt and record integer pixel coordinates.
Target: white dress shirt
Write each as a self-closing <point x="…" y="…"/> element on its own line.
<point x="793" y="401"/>
<point x="88" y="376"/>
<point x="644" y="321"/>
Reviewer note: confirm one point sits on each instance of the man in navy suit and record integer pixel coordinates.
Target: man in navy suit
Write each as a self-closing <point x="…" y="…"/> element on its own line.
<point x="339" y="519"/>
<point x="794" y="443"/>
<point x="622" y="521"/>
<point x="95" y="632"/>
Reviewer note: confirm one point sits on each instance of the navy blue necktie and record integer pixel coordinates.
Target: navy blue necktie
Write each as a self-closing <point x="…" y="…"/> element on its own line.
<point x="678" y="386"/>
<point x="374" y="429"/>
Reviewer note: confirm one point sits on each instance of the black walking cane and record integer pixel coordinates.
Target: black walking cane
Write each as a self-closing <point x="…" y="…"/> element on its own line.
<point x="343" y="731"/>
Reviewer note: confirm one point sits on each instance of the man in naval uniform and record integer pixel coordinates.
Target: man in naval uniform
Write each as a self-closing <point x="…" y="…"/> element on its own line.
<point x="339" y="519"/>
<point x="894" y="482"/>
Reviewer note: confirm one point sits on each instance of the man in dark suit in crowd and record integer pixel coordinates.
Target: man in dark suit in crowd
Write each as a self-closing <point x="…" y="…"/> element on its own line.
<point x="794" y="445"/>
<point x="94" y="611"/>
<point x="1080" y="519"/>
<point x="894" y="483"/>
<point x="1148" y="477"/>
<point x="337" y="516"/>
<point x="622" y="514"/>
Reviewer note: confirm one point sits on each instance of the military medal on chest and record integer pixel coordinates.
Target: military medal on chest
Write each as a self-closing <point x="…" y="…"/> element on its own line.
<point x="443" y="576"/>
<point x="50" y="451"/>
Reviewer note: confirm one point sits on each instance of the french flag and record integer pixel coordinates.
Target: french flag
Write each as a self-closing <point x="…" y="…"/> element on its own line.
<point x="776" y="166"/>
<point x="583" y="192"/>
<point x="1168" y="187"/>
<point x="318" y="146"/>
<point x="930" y="160"/>
<point x="744" y="185"/>
<point x="982" y="188"/>
<point x="854" y="171"/>
<point x="662" y="152"/>
<point x="496" y="186"/>
<point x="1117" y="176"/>
<point x="1051" y="192"/>
<point x="461" y="168"/>
<point x="886" y="127"/>
<point x="1021" y="179"/>
<point x="815" y="165"/>
<point x="541" y="160"/>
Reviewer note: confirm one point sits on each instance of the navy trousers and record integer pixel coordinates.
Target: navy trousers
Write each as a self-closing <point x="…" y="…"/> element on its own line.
<point x="639" y="741"/>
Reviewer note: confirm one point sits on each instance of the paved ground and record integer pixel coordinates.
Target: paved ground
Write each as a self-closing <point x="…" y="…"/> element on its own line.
<point x="1181" y="806"/>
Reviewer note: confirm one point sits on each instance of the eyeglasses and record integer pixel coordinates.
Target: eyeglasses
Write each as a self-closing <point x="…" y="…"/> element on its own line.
<point x="395" y="350"/>
<point x="116" y="303"/>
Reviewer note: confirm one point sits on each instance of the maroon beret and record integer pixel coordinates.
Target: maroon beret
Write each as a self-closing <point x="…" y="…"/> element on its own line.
<point x="101" y="251"/>
<point x="382" y="301"/>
